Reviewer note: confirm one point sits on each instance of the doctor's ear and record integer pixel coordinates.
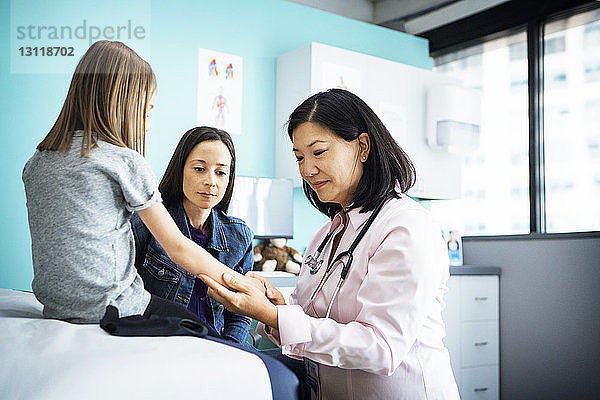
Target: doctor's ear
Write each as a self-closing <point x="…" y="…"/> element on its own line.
<point x="364" y="143"/>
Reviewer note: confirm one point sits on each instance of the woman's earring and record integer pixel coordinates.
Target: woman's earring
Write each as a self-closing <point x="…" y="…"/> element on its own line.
<point x="364" y="158"/>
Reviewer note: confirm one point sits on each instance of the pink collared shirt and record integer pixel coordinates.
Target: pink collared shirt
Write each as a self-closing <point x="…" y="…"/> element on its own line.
<point x="383" y="339"/>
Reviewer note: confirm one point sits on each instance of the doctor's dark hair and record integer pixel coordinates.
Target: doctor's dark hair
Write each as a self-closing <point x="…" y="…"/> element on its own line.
<point x="171" y="185"/>
<point x="387" y="169"/>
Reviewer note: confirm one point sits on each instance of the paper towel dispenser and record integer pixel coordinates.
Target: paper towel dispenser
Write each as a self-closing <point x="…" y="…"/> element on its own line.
<point x="453" y="118"/>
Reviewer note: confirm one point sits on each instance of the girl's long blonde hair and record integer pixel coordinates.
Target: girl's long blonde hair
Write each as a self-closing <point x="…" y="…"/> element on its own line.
<point x="108" y="99"/>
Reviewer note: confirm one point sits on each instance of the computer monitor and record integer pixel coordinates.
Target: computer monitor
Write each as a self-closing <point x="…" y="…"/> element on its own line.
<point x="265" y="204"/>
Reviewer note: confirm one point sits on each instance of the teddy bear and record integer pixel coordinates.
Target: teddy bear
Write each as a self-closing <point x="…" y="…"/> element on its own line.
<point x="274" y="255"/>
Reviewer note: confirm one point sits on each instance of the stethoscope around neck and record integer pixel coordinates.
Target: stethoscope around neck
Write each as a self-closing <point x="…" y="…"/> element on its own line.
<point x="315" y="261"/>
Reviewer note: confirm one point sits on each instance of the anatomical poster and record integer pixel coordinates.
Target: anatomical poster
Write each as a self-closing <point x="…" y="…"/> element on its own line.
<point x="220" y="90"/>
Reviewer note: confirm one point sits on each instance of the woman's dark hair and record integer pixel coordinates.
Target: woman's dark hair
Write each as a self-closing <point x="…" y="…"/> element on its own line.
<point x="171" y="185"/>
<point x="346" y="115"/>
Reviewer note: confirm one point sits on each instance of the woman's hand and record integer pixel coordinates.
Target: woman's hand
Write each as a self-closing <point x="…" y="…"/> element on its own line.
<point x="270" y="291"/>
<point x="241" y="296"/>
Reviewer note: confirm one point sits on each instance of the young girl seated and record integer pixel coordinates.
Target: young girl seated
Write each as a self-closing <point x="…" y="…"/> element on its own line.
<point x="83" y="183"/>
<point x="196" y="190"/>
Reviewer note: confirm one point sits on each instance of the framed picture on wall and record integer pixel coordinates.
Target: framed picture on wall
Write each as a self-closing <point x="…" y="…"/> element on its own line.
<point x="453" y="240"/>
<point x="220" y="90"/>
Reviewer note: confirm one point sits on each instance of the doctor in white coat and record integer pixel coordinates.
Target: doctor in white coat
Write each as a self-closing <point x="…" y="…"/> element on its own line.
<point x="366" y="314"/>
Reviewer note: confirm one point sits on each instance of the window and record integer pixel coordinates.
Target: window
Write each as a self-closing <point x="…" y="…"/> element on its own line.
<point x="592" y="71"/>
<point x="555" y="44"/>
<point x="518" y="51"/>
<point x="553" y="144"/>
<point x="591" y="35"/>
<point x="572" y="123"/>
<point x="495" y="194"/>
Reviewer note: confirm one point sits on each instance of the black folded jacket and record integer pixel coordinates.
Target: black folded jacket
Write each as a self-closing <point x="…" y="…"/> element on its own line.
<point x="137" y="325"/>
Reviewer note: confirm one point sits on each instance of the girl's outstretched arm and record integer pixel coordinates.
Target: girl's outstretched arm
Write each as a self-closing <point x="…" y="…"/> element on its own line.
<point x="182" y="250"/>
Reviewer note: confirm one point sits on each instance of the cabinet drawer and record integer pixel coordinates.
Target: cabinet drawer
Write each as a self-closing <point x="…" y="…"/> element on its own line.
<point x="479" y="343"/>
<point x="451" y="311"/>
<point x="479" y="383"/>
<point x="451" y="316"/>
<point x="478" y="298"/>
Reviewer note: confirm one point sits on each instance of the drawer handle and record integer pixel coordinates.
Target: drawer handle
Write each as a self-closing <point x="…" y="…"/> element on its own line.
<point x="480" y="343"/>
<point x="484" y="298"/>
<point x="483" y="389"/>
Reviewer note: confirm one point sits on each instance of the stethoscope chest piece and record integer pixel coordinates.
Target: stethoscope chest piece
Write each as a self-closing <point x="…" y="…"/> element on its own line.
<point x="314" y="263"/>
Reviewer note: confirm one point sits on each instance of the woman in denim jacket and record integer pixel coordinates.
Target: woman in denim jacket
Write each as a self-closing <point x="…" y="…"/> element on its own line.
<point x="196" y="190"/>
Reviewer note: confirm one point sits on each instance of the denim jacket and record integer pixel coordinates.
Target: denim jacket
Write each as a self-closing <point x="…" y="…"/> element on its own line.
<point x="230" y="242"/>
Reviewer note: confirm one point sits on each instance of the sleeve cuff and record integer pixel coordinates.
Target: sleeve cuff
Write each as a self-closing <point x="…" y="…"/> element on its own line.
<point x="155" y="198"/>
<point x="267" y="332"/>
<point x="294" y="325"/>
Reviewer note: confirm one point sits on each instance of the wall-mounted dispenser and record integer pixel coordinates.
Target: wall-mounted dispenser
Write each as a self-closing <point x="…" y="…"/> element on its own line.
<point x="453" y="118"/>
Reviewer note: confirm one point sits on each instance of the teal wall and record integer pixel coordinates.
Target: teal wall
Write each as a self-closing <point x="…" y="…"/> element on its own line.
<point x="257" y="30"/>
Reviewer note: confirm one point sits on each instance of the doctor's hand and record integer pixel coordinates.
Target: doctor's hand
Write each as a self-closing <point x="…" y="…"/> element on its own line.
<point x="241" y="296"/>
<point x="270" y="291"/>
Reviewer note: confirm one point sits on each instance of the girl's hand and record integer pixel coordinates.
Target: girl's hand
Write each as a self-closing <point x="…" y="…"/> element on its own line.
<point x="256" y="281"/>
<point x="241" y="296"/>
<point x="270" y="291"/>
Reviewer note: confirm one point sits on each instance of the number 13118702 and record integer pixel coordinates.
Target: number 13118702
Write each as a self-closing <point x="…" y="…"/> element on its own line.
<point x="46" y="51"/>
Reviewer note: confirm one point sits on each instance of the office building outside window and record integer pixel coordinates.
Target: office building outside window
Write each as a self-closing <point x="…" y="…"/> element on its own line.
<point x="495" y="177"/>
<point x="572" y="123"/>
